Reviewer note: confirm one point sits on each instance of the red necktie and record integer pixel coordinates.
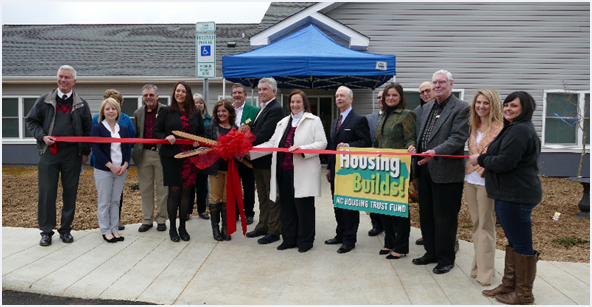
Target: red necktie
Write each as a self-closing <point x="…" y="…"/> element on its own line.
<point x="338" y="123"/>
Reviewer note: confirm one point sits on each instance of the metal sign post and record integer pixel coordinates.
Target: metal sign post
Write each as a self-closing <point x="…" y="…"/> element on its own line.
<point x="205" y="53"/>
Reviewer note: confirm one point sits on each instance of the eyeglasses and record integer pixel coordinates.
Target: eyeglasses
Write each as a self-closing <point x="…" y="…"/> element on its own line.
<point x="441" y="82"/>
<point x="148" y="95"/>
<point x="427" y="91"/>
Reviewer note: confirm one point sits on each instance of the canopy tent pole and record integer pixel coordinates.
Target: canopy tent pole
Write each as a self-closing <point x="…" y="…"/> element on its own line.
<point x="223" y="88"/>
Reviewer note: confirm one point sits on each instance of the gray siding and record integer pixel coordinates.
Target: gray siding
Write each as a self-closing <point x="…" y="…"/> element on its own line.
<point x="505" y="46"/>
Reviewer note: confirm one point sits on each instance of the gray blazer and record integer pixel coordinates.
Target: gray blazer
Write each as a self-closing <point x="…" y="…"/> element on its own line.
<point x="138" y="121"/>
<point x="449" y="136"/>
<point x="372" y="120"/>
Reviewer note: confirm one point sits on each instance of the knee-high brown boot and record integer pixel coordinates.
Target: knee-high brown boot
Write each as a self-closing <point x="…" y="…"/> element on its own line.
<point x="525" y="274"/>
<point x="509" y="278"/>
<point x="224" y="230"/>
<point x="215" y="220"/>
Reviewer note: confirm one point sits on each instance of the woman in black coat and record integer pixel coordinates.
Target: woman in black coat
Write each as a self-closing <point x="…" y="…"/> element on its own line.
<point x="178" y="174"/>
<point x="511" y="178"/>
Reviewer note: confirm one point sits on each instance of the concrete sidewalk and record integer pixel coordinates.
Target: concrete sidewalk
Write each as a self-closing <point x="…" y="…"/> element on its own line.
<point x="150" y="267"/>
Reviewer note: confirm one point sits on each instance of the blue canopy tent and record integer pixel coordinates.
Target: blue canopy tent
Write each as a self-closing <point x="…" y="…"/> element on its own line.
<point x="309" y="59"/>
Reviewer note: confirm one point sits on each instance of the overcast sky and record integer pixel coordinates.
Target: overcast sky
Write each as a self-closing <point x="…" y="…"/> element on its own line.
<point x="131" y="12"/>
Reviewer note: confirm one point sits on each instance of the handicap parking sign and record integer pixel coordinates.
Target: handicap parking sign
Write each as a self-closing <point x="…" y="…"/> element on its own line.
<point x="206" y="50"/>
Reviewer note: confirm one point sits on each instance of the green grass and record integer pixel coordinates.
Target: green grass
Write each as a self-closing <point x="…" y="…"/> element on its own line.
<point x="569" y="242"/>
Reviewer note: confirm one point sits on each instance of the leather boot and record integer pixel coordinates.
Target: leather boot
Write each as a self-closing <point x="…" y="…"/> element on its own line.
<point x="224" y="221"/>
<point x="215" y="219"/>
<point x="509" y="278"/>
<point x="525" y="274"/>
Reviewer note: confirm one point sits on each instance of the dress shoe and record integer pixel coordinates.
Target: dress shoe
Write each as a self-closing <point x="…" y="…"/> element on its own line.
<point x="204" y="216"/>
<point x="249" y="220"/>
<point x="269" y="238"/>
<point x="174" y="235"/>
<point x="285" y="245"/>
<point x="384" y="252"/>
<point x="66" y="237"/>
<point x="456" y="247"/>
<point x="120" y="238"/>
<point x="442" y="269"/>
<point x="374" y="232"/>
<point x="419" y="241"/>
<point x="423" y="260"/>
<point x="112" y="240"/>
<point x="183" y="234"/>
<point x="121" y="227"/>
<point x="333" y="241"/>
<point x="144" y="227"/>
<point x="391" y="256"/>
<point x="304" y="249"/>
<point x="161" y="227"/>
<point x="345" y="249"/>
<point x="45" y="239"/>
<point x="255" y="233"/>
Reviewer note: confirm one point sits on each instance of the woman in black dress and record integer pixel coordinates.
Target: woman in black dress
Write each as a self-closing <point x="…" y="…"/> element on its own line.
<point x="178" y="174"/>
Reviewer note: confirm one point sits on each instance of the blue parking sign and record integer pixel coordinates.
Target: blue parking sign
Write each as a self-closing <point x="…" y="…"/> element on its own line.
<point x="206" y="50"/>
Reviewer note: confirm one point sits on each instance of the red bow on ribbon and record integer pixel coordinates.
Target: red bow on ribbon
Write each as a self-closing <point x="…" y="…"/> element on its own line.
<point x="235" y="144"/>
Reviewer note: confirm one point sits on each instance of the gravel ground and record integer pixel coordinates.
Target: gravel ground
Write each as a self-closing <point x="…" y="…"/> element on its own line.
<point x="19" y="207"/>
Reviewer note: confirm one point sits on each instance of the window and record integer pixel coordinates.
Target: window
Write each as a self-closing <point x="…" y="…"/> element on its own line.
<point x="130" y="105"/>
<point x="14" y="110"/>
<point x="562" y="111"/>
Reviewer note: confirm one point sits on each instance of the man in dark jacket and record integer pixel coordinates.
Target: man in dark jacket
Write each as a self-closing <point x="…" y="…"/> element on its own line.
<point x="263" y="128"/>
<point x="349" y="130"/>
<point x="442" y="129"/>
<point x="59" y="113"/>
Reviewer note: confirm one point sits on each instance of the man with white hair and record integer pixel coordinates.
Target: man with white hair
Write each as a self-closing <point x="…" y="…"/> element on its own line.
<point x="349" y="130"/>
<point x="443" y="130"/>
<point x="263" y="127"/>
<point x="59" y="113"/>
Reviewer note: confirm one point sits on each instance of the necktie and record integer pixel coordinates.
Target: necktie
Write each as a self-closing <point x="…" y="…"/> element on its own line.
<point x="65" y="97"/>
<point x="338" y="123"/>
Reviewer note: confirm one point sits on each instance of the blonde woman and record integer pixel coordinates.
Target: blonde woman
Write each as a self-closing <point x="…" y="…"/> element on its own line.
<point x="111" y="162"/>
<point x="485" y="121"/>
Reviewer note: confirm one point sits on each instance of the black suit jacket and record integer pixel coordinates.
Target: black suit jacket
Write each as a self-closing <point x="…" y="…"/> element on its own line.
<point x="354" y="130"/>
<point x="167" y="121"/>
<point x="263" y="128"/>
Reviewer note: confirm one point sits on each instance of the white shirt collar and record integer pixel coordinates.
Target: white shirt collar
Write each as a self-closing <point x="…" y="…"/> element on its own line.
<point x="106" y="124"/>
<point x="345" y="113"/>
<point x="60" y="94"/>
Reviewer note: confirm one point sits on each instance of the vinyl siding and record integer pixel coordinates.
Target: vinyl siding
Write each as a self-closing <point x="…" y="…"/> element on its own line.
<point x="505" y="46"/>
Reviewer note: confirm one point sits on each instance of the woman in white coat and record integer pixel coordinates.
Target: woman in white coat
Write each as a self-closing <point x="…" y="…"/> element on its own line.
<point x="299" y="130"/>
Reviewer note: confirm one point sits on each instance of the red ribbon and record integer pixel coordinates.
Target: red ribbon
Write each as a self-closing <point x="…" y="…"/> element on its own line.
<point x="96" y="139"/>
<point x="233" y="144"/>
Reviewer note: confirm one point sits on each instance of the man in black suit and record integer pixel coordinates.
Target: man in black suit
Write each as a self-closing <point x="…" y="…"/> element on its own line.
<point x="263" y="128"/>
<point x="349" y="130"/>
<point x="443" y="129"/>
